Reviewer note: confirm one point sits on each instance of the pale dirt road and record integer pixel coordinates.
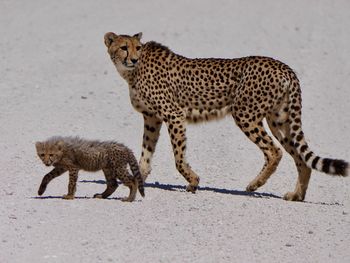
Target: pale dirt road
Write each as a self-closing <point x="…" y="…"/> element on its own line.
<point x="56" y="79"/>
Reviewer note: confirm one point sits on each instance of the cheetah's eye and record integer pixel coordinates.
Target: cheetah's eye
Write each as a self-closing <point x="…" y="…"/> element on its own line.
<point x="138" y="48"/>
<point x="125" y="48"/>
<point x="42" y="155"/>
<point x="51" y="155"/>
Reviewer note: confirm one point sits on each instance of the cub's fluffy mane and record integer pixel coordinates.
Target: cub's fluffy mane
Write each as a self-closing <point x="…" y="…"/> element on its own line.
<point x="78" y="142"/>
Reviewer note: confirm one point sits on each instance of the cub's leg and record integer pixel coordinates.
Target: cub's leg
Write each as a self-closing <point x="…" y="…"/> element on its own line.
<point x="72" y="185"/>
<point x="256" y="132"/>
<point x="111" y="184"/>
<point x="281" y="130"/>
<point x="129" y="181"/>
<point x="48" y="177"/>
<point x="152" y="126"/>
<point x="177" y="132"/>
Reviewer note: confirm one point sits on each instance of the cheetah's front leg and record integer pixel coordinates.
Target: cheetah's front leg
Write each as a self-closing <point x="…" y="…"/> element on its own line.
<point x="177" y="132"/>
<point x="48" y="177"/>
<point x="73" y="177"/>
<point x="152" y="126"/>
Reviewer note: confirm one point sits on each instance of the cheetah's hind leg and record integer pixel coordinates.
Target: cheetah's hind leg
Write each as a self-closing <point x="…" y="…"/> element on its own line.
<point x="281" y="130"/>
<point x="256" y="132"/>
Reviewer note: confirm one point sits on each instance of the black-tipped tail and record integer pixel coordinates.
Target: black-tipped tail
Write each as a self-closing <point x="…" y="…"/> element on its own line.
<point x="326" y="165"/>
<point x="313" y="161"/>
<point x="335" y="167"/>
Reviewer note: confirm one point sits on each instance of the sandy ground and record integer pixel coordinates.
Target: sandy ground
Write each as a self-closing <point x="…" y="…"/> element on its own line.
<point x="56" y="79"/>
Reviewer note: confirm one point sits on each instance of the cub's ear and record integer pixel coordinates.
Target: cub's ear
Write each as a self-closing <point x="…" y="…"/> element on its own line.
<point x="60" y="145"/>
<point x="38" y="145"/>
<point x="138" y="36"/>
<point x="109" y="38"/>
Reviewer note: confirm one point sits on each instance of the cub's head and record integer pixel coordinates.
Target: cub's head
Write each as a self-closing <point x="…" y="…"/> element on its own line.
<point x="124" y="50"/>
<point x="50" y="152"/>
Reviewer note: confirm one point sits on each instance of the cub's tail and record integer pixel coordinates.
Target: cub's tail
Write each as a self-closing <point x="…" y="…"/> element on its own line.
<point x="134" y="166"/>
<point x="313" y="161"/>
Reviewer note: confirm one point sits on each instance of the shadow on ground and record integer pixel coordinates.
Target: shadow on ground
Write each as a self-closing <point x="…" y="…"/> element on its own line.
<point x="76" y="197"/>
<point x="172" y="187"/>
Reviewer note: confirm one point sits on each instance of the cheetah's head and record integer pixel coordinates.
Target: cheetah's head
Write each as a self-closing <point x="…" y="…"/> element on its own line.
<point x="50" y="153"/>
<point x="124" y="50"/>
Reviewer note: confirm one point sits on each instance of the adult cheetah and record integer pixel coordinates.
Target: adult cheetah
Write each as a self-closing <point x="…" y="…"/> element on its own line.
<point x="166" y="87"/>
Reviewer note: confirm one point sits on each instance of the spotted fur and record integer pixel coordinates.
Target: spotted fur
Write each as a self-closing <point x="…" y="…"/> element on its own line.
<point x="73" y="154"/>
<point x="167" y="87"/>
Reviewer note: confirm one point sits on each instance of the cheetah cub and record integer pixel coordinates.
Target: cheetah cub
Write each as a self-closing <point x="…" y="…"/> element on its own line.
<point x="73" y="154"/>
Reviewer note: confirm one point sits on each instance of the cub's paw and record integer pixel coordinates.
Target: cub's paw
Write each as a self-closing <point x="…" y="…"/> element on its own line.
<point x="42" y="189"/>
<point x="292" y="196"/>
<point x="99" y="196"/>
<point x="191" y="188"/>
<point x="128" y="199"/>
<point x="68" y="197"/>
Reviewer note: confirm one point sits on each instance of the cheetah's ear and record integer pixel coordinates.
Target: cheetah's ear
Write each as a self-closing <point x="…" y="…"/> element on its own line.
<point x="109" y="38"/>
<point x="138" y="36"/>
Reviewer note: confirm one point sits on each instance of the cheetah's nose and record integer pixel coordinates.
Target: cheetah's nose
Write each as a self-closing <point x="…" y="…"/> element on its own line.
<point x="134" y="61"/>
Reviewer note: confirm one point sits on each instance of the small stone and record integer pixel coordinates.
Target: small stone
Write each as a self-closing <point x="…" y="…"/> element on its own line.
<point x="84" y="97"/>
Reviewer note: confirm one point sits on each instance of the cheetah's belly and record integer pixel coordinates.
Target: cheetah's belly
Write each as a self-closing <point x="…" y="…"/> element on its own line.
<point x="205" y="104"/>
<point x="198" y="115"/>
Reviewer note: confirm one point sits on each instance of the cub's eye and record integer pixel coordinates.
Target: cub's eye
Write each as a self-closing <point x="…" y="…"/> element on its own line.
<point x="51" y="155"/>
<point x="138" y="48"/>
<point x="125" y="48"/>
<point x="42" y="155"/>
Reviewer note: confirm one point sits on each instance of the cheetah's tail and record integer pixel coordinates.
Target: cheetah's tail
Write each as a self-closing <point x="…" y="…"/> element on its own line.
<point x="313" y="161"/>
<point x="136" y="172"/>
